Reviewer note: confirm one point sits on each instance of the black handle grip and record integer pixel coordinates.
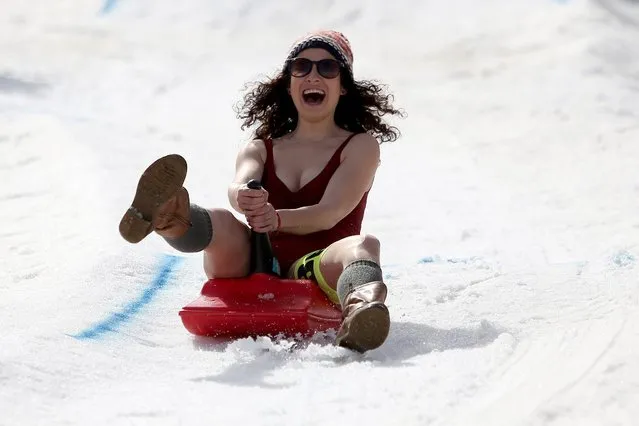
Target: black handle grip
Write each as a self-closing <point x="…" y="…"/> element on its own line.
<point x="262" y="259"/>
<point x="254" y="184"/>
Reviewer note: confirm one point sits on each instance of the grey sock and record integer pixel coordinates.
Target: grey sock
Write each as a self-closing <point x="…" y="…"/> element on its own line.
<point x="198" y="236"/>
<point x="357" y="274"/>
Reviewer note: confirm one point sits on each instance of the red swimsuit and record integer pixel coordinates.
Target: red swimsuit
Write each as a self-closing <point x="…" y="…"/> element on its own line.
<point x="290" y="247"/>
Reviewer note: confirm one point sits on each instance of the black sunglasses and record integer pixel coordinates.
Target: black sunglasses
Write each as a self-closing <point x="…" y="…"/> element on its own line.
<point x="301" y="67"/>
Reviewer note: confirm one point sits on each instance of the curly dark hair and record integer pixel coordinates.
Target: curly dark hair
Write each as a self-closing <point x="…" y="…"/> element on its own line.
<point x="361" y="109"/>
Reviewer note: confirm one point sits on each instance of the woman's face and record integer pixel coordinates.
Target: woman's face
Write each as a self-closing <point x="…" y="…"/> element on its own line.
<point x="317" y="93"/>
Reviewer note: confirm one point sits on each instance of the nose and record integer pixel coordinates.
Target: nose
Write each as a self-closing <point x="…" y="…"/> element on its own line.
<point x="313" y="75"/>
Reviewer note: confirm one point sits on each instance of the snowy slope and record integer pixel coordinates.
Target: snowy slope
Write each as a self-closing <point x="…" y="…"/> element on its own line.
<point x="507" y="213"/>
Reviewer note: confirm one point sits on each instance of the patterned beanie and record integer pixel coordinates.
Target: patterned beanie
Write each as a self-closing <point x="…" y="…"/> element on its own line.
<point x="334" y="42"/>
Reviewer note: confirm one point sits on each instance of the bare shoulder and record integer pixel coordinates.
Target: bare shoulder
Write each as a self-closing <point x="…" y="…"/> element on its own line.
<point x="255" y="148"/>
<point x="363" y="145"/>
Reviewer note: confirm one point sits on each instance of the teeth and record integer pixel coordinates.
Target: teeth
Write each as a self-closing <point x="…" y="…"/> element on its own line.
<point x="309" y="91"/>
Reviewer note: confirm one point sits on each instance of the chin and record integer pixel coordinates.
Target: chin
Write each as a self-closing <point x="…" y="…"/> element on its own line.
<point x="315" y="116"/>
<point x="315" y="112"/>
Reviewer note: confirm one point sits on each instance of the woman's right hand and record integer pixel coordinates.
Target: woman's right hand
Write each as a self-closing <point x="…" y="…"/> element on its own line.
<point x="251" y="200"/>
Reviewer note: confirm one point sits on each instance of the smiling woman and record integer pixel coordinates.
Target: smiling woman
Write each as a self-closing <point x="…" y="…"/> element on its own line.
<point x="315" y="152"/>
<point x="358" y="106"/>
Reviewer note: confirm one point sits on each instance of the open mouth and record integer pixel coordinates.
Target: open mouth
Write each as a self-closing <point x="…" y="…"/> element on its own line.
<point x="313" y="96"/>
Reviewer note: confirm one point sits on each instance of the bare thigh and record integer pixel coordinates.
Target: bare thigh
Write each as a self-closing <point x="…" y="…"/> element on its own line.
<point x="228" y="254"/>
<point x="345" y="251"/>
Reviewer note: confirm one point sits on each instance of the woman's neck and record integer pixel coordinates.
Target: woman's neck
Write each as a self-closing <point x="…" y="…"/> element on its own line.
<point x="314" y="131"/>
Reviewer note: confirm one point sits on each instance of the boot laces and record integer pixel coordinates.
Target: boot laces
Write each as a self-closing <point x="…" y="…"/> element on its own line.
<point x="168" y="218"/>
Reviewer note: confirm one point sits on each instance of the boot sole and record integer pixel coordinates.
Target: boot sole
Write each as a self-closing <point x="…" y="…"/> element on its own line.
<point x="159" y="182"/>
<point x="368" y="328"/>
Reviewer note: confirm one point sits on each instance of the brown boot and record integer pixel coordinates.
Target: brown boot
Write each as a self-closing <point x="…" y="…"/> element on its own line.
<point x="160" y="202"/>
<point x="171" y="219"/>
<point x="366" y="319"/>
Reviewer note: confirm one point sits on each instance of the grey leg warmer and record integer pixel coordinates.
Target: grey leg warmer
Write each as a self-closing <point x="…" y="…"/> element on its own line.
<point x="357" y="274"/>
<point x="198" y="236"/>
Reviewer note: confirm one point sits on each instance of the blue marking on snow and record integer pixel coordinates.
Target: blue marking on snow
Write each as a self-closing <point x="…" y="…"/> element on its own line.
<point x="437" y="259"/>
<point x="108" y="6"/>
<point x="116" y="319"/>
<point x="429" y="260"/>
<point x="623" y="258"/>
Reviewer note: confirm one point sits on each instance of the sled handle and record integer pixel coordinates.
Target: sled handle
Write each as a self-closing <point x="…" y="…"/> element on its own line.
<point x="262" y="259"/>
<point x="254" y="184"/>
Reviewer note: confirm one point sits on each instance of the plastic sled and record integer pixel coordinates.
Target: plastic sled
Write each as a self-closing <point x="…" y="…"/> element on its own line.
<point x="262" y="304"/>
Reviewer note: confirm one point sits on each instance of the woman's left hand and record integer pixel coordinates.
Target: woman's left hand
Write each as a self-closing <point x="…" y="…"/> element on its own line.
<point x="264" y="219"/>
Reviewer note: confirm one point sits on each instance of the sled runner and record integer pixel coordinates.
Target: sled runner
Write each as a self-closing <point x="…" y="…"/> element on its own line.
<point x="262" y="303"/>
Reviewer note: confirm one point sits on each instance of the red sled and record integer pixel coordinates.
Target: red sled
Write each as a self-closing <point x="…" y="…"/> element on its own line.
<point x="260" y="305"/>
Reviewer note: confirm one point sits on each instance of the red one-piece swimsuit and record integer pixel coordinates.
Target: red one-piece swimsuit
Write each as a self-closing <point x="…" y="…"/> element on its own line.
<point x="287" y="248"/>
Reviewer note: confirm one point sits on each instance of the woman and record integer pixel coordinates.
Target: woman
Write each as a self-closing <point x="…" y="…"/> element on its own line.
<point x="316" y="151"/>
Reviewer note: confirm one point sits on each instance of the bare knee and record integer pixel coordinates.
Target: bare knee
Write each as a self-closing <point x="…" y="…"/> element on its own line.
<point x="222" y="216"/>
<point x="370" y="245"/>
<point x="226" y="225"/>
<point x="358" y="247"/>
<point x="346" y="251"/>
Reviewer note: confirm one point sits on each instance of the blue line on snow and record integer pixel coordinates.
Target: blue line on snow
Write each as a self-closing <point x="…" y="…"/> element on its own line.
<point x="436" y="259"/>
<point x="116" y="319"/>
<point x="108" y="6"/>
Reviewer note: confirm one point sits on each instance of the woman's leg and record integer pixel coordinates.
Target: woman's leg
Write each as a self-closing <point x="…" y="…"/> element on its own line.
<point x="223" y="240"/>
<point x="228" y="254"/>
<point x="342" y="253"/>
<point x="351" y="268"/>
<point x="163" y="206"/>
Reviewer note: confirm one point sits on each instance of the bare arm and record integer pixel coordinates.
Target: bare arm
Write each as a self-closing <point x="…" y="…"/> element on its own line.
<point x="249" y="164"/>
<point x="346" y="188"/>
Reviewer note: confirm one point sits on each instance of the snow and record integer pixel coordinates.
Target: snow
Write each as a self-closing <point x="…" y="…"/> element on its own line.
<point x="507" y="213"/>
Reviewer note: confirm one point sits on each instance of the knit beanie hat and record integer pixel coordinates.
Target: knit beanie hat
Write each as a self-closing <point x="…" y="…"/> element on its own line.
<point x="334" y="42"/>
